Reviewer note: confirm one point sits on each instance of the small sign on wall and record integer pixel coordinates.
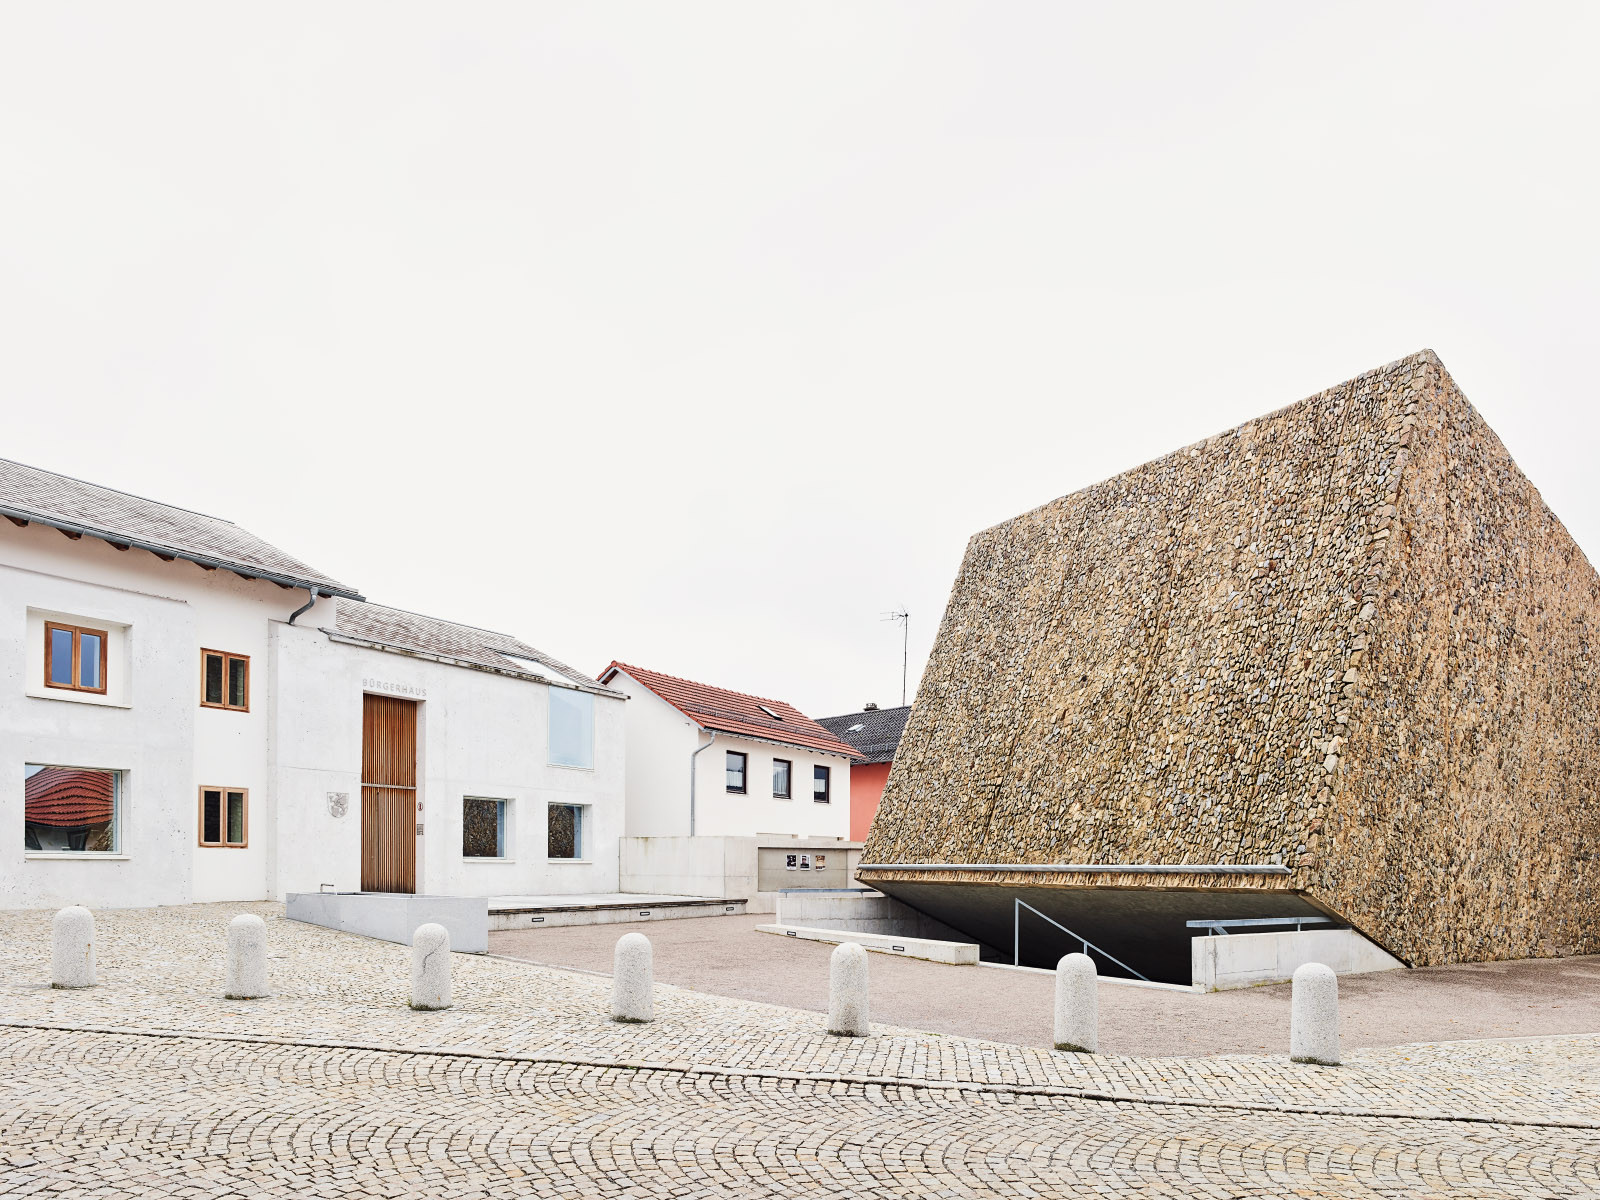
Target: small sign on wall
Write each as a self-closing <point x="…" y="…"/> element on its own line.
<point x="820" y="862"/>
<point x="791" y="862"/>
<point x="805" y="862"/>
<point x="338" y="804"/>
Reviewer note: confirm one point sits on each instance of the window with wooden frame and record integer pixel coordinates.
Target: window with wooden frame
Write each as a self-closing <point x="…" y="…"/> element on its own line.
<point x="224" y="680"/>
<point x="225" y="817"/>
<point x="75" y="658"/>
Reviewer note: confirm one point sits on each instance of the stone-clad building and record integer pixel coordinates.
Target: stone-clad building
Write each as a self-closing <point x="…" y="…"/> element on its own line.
<point x="1337" y="661"/>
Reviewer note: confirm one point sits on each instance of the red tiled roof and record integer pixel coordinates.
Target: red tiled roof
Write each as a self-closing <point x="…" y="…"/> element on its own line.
<point x="65" y="799"/>
<point x="735" y="712"/>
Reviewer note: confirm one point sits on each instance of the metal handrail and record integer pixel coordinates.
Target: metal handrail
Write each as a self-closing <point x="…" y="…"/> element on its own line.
<point x="1222" y="926"/>
<point x="1016" y="938"/>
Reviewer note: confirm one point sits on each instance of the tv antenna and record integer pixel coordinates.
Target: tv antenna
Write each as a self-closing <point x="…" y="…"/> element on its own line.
<point x="902" y="618"/>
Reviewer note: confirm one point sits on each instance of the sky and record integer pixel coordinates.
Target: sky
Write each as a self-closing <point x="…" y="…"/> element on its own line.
<point x="701" y="336"/>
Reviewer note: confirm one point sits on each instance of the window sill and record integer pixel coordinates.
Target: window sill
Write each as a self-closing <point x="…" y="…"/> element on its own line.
<point x="484" y="858"/>
<point x="575" y="862"/>
<point x="571" y="767"/>
<point x="72" y="856"/>
<point x="74" y="697"/>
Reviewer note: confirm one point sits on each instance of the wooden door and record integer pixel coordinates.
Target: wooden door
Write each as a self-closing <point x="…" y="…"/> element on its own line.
<point x="388" y="794"/>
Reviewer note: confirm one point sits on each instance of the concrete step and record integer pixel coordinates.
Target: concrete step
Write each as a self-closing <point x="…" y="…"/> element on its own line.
<point x="543" y="912"/>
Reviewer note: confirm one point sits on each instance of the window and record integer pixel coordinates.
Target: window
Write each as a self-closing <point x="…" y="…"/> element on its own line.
<point x="483" y="827"/>
<point x="224" y="817"/>
<point x="736" y="765"/>
<point x="571" y="728"/>
<point x="567" y="834"/>
<point x="224" y="680"/>
<point x="74" y="658"/>
<point x="819" y="784"/>
<point x="769" y="712"/>
<point x="71" y="809"/>
<point x="781" y="770"/>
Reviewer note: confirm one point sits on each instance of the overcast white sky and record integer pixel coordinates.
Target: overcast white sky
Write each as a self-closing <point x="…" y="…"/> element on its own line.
<point x="701" y="335"/>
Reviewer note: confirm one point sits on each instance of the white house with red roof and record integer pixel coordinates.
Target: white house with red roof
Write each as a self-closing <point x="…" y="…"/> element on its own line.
<point x="707" y="761"/>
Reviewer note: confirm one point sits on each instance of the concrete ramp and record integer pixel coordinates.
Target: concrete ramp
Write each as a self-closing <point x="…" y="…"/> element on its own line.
<point x="394" y="916"/>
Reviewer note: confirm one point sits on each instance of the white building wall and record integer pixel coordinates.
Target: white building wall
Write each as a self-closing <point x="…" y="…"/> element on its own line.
<point x="660" y="741"/>
<point x="149" y="725"/>
<point x="478" y="734"/>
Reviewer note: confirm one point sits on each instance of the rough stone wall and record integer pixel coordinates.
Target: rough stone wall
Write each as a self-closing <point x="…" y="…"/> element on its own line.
<point x="1464" y="824"/>
<point x="1237" y="654"/>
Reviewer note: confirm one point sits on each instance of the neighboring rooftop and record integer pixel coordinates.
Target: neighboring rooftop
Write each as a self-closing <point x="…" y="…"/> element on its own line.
<point x="735" y="713"/>
<point x="466" y="645"/>
<point x="32" y="495"/>
<point x="873" y="731"/>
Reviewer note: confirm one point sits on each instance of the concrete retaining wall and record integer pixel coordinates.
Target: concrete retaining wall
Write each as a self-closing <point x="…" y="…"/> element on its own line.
<point x="861" y="911"/>
<point x="722" y="867"/>
<point x="394" y="916"/>
<point x="955" y="953"/>
<point x="1238" y="960"/>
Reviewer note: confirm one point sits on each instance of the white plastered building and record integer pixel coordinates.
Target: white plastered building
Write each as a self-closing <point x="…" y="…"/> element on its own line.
<point x="189" y="714"/>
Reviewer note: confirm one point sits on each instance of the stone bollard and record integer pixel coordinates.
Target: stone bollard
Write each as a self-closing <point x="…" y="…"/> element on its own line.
<point x="72" y="948"/>
<point x="1077" y="1004"/>
<point x="430" y="967"/>
<point x="632" y="996"/>
<point x="245" y="977"/>
<point x="847" y="991"/>
<point x="1314" y="1016"/>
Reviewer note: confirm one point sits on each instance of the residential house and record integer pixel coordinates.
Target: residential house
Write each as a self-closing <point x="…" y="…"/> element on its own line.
<point x="708" y="761"/>
<point x="187" y="713"/>
<point x="875" y="732"/>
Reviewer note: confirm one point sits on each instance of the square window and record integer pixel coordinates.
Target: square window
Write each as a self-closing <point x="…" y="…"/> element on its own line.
<point x="735" y="771"/>
<point x="224" y="817"/>
<point x="483" y="827"/>
<point x="819" y="784"/>
<point x="72" y="809"/>
<point x="224" y="680"/>
<point x="75" y="657"/>
<point x="566" y="831"/>
<point x="571" y="728"/>
<point x="782" y="768"/>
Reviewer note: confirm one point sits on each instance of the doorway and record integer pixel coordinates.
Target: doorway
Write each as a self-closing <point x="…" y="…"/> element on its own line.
<point x="388" y="794"/>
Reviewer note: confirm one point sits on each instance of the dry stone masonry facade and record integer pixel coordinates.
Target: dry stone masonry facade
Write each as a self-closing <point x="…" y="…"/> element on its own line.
<point x="1347" y="638"/>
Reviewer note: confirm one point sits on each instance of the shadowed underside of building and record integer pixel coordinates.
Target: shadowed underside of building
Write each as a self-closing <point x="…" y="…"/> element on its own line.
<point x="1338" y="661"/>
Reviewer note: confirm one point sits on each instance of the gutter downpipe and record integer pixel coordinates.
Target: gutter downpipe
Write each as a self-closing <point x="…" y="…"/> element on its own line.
<point x="312" y="594"/>
<point x="692" y="756"/>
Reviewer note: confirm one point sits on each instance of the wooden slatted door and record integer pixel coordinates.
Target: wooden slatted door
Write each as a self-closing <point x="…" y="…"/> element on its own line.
<point x="388" y="794"/>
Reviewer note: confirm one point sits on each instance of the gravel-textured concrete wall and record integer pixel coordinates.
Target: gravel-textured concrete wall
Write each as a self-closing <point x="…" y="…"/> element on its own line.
<point x="1347" y="637"/>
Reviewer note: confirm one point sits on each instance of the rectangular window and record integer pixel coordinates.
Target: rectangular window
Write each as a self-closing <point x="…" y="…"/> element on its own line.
<point x="224" y="817"/>
<point x="566" y="835"/>
<point x="819" y="784"/>
<point x="224" y="680"/>
<point x="571" y="728"/>
<point x="736" y="764"/>
<point x="71" y="809"/>
<point x="781" y="770"/>
<point x="483" y="827"/>
<point x="75" y="658"/>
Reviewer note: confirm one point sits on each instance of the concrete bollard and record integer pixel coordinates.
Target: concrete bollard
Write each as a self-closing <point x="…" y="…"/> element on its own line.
<point x="430" y="967"/>
<point x="847" y="991"/>
<point x="245" y="977"/>
<point x="632" y="979"/>
<point x="1077" y="1004"/>
<point x="1314" y="1016"/>
<point x="72" y="948"/>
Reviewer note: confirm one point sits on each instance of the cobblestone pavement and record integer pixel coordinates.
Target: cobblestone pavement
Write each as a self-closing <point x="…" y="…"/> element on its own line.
<point x="151" y="1084"/>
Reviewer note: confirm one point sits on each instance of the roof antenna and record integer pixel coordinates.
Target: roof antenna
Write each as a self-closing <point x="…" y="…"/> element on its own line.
<point x="903" y="618"/>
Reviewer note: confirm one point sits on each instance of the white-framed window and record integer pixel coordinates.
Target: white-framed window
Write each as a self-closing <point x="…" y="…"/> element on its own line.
<point x="568" y="835"/>
<point x="71" y="810"/>
<point x="571" y="728"/>
<point x="485" y="826"/>
<point x="821" y="777"/>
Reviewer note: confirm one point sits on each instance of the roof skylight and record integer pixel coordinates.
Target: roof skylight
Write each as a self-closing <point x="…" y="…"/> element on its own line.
<point x="769" y="712"/>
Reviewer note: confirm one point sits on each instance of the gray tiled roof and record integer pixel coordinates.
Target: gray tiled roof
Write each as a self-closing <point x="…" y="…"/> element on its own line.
<point x="879" y="734"/>
<point x="31" y="494"/>
<point x="401" y="630"/>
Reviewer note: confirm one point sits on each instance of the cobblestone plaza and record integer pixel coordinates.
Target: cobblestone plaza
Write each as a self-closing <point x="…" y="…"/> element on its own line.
<point x="152" y="1084"/>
